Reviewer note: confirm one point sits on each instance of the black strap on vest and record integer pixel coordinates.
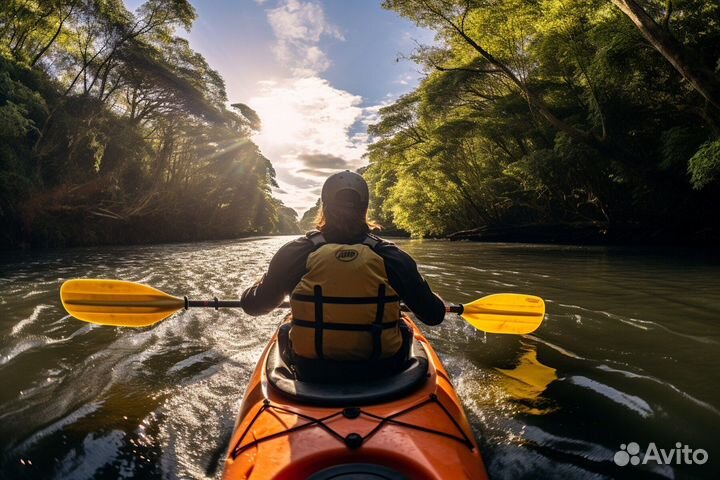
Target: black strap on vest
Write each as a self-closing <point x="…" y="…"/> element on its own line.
<point x="377" y="325"/>
<point x="318" y="321"/>
<point x="375" y="329"/>
<point x="317" y="239"/>
<point x="343" y="327"/>
<point x="371" y="241"/>
<point x="346" y="300"/>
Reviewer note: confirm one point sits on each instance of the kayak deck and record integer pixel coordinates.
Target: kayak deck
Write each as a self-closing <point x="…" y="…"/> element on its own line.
<point x="422" y="435"/>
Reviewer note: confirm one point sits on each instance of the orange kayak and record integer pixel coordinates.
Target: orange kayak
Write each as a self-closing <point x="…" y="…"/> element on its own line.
<point x="409" y="426"/>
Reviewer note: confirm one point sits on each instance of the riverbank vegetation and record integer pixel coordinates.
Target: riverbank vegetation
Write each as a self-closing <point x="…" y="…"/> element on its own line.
<point x="114" y="130"/>
<point x="556" y="120"/>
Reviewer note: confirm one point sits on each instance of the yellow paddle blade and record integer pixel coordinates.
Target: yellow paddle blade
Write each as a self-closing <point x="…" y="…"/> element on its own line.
<point x="117" y="303"/>
<point x="505" y="313"/>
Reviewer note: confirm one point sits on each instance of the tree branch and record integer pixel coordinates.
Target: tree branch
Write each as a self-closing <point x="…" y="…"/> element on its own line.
<point x="701" y="78"/>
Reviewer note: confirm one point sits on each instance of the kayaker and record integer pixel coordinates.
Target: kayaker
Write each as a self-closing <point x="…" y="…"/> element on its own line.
<point x="345" y="286"/>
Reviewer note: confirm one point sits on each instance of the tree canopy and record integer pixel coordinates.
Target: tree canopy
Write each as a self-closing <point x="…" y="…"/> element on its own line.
<point x="114" y="129"/>
<point x="570" y="113"/>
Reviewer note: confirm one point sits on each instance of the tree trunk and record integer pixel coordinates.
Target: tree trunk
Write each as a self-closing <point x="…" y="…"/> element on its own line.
<point x="532" y="98"/>
<point x="42" y="51"/>
<point x="701" y="79"/>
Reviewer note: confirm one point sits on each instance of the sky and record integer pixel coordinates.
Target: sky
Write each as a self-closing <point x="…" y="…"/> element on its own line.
<point x="316" y="71"/>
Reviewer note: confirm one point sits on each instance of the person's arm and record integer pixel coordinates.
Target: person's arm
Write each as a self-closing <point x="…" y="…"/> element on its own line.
<point x="411" y="286"/>
<point x="286" y="269"/>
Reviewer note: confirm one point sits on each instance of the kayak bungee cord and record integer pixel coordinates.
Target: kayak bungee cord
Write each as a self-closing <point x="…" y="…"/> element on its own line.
<point x="352" y="440"/>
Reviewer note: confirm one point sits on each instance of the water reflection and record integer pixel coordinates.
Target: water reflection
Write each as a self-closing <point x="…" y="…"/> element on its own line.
<point x="527" y="381"/>
<point x="628" y="352"/>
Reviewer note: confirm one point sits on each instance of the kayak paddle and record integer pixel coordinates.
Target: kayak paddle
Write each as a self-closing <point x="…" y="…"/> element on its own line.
<point x="511" y="313"/>
<point x="128" y="304"/>
<point x="125" y="304"/>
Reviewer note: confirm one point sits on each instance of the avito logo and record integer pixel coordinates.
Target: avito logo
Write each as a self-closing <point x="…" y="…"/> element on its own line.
<point x="680" y="455"/>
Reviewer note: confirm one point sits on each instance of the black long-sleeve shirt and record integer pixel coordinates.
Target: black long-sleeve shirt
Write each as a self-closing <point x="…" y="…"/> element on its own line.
<point x="289" y="265"/>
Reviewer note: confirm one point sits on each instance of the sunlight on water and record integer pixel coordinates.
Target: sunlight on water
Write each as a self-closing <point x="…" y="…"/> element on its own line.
<point x="628" y="352"/>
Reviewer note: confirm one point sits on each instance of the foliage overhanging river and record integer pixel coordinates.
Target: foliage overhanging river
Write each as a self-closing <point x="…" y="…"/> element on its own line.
<point x="629" y="351"/>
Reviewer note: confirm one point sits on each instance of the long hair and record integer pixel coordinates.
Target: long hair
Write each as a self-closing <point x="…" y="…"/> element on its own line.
<point x="346" y="217"/>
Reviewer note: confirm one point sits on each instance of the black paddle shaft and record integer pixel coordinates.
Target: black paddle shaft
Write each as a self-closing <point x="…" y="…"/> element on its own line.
<point x="214" y="303"/>
<point x="449" y="308"/>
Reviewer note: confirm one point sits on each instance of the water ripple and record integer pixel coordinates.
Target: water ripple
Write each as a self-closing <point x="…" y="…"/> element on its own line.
<point x="620" y="356"/>
<point x="632" y="402"/>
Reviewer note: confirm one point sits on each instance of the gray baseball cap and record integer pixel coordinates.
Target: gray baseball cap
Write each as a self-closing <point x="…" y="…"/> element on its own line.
<point x="346" y="180"/>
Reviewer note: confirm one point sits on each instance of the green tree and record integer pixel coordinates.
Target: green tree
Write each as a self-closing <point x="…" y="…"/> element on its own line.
<point x="550" y="113"/>
<point x="115" y="129"/>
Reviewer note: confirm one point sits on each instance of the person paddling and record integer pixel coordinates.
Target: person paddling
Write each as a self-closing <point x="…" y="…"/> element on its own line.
<point x="345" y="286"/>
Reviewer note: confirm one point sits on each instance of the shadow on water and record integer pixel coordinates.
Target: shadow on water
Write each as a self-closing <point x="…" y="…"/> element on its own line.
<point x="629" y="352"/>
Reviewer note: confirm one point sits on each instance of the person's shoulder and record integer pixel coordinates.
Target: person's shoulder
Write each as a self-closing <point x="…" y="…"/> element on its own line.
<point x="379" y="239"/>
<point x="299" y="244"/>
<point x="382" y="243"/>
<point x="386" y="248"/>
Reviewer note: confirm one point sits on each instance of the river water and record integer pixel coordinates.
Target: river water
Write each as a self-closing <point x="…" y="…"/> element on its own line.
<point x="629" y="352"/>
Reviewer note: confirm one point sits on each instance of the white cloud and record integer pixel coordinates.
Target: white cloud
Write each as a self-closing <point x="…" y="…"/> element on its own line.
<point x="308" y="125"/>
<point x="298" y="27"/>
<point x="307" y="134"/>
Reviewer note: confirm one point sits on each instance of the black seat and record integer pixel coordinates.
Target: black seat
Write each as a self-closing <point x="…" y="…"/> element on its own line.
<point x="369" y="392"/>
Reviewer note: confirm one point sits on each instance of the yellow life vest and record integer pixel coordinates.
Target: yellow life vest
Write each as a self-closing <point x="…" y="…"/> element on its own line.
<point x="344" y="307"/>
